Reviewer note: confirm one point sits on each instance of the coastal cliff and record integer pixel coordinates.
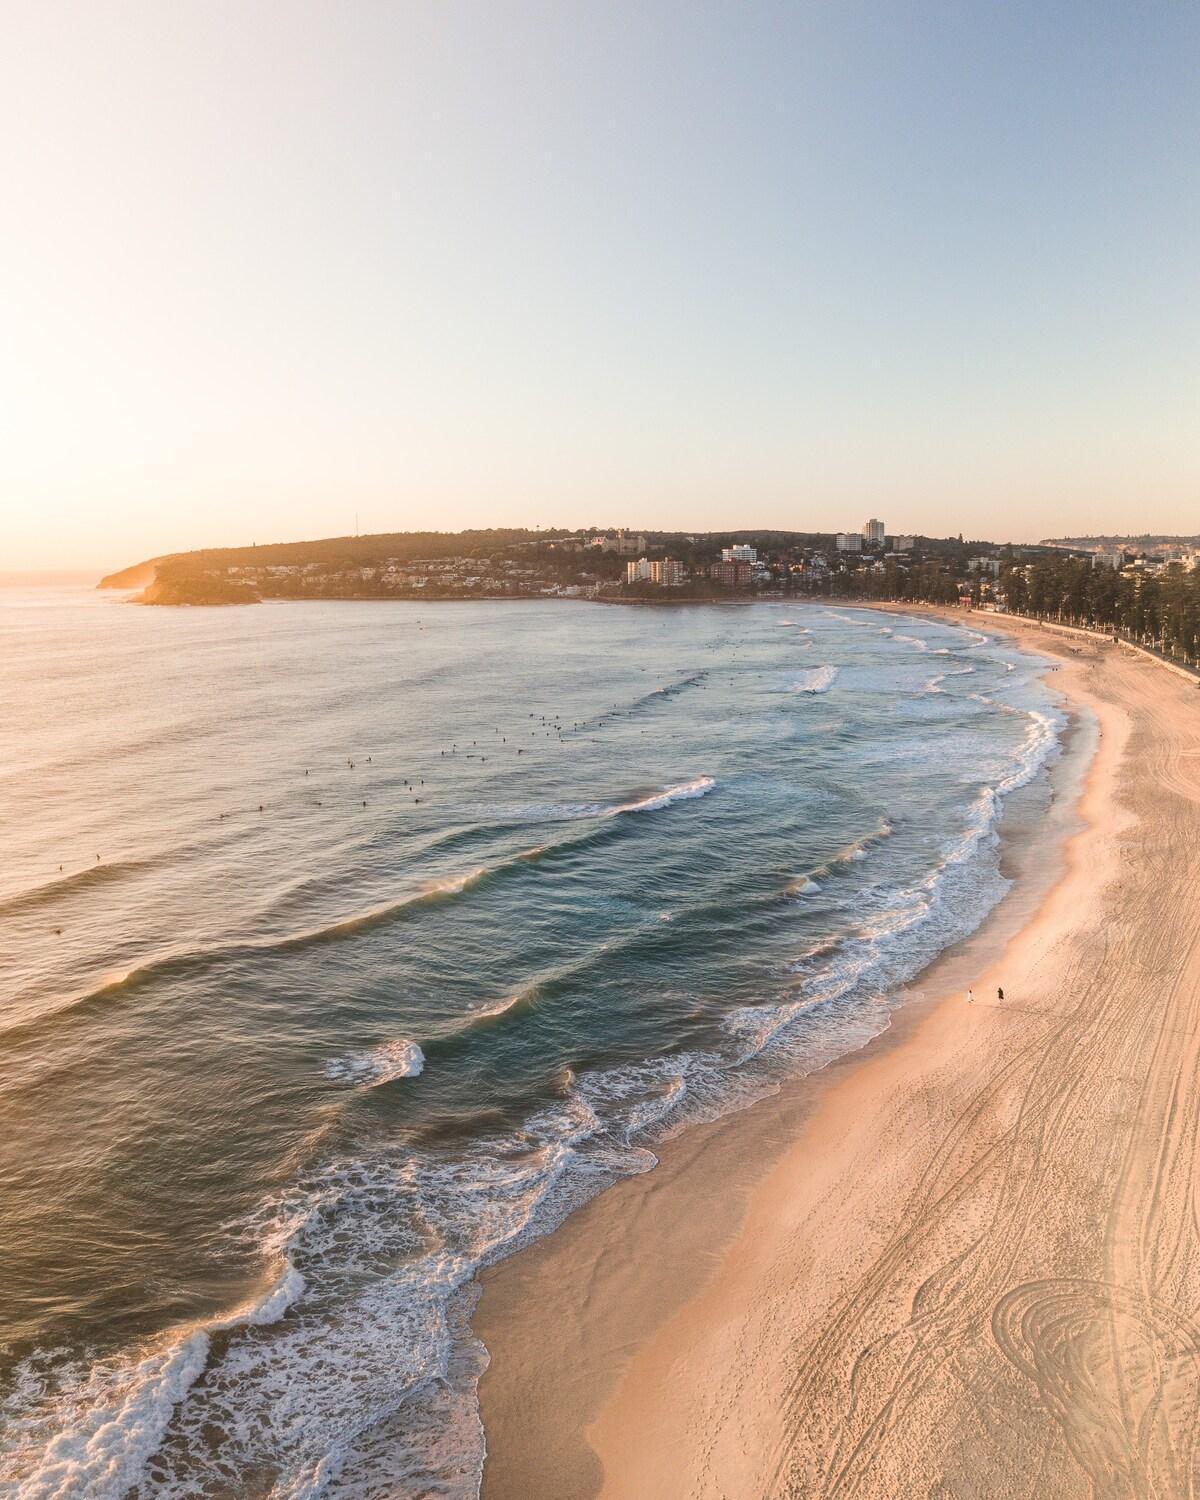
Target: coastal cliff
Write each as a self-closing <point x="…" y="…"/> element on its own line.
<point x="140" y="576"/>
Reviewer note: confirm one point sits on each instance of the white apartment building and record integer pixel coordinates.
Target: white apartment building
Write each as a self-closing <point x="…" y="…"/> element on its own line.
<point x="849" y="541"/>
<point x="740" y="553"/>
<point x="665" y="571"/>
<point x="873" y="533"/>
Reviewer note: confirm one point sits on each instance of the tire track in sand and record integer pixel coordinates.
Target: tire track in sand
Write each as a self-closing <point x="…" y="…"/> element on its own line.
<point x="1029" y="1327"/>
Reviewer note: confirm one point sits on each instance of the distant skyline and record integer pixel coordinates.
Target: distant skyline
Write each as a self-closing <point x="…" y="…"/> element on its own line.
<point x="697" y="266"/>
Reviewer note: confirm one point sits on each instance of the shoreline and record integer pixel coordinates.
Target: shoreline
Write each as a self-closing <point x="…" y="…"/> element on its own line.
<point x="970" y="1267"/>
<point x="783" y="1451"/>
<point x="642" y="1254"/>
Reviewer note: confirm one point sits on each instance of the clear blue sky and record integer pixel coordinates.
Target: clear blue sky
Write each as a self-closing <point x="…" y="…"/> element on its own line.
<point x="267" y="265"/>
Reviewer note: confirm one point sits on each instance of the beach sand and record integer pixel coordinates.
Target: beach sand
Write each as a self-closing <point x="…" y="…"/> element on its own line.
<point x="962" y="1262"/>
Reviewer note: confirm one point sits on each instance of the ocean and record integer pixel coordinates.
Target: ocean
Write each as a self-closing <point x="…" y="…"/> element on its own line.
<point x="346" y="948"/>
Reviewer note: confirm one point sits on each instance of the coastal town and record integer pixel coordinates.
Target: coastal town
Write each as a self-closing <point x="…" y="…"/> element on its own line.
<point x="1147" y="588"/>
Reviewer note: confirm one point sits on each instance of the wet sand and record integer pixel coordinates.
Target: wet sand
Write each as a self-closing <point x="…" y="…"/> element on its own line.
<point x="961" y="1262"/>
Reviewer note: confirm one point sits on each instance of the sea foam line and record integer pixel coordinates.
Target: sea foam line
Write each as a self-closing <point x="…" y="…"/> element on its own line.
<point x="934" y="685"/>
<point x="700" y="786"/>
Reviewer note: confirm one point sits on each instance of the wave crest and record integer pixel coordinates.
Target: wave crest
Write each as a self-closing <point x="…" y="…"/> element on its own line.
<point x="382" y="1064"/>
<point x="700" y="786"/>
<point x="815" y="680"/>
<point x="67" y="885"/>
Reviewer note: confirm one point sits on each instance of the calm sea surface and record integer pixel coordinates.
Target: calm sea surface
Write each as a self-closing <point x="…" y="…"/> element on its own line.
<point x="346" y="947"/>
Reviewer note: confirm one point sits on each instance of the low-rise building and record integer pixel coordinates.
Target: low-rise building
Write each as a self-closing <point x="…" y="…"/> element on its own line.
<point x="623" y="544"/>
<point x="731" y="573"/>
<point x="849" y="541"/>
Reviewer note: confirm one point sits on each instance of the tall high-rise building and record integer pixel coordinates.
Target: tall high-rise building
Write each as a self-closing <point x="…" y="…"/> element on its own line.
<point x="873" y="533"/>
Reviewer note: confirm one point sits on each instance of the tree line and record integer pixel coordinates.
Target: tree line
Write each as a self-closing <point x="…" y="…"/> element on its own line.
<point x="928" y="582"/>
<point x="1161" y="610"/>
<point x="1154" y="609"/>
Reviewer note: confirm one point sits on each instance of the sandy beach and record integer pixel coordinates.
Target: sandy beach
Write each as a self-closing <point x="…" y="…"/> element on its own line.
<point x="962" y="1262"/>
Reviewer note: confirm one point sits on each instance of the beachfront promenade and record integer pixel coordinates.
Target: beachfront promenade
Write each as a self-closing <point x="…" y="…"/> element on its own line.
<point x="1184" y="669"/>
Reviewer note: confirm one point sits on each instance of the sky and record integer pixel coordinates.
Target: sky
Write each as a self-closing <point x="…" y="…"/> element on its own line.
<point x="273" y="270"/>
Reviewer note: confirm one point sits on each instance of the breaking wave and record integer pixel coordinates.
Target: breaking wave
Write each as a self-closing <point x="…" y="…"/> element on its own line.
<point x="816" y="680"/>
<point x="851" y="853"/>
<point x="382" y="1064"/>
<point x="91" y="1433"/>
<point x="699" y="787"/>
<point x="934" y="685"/>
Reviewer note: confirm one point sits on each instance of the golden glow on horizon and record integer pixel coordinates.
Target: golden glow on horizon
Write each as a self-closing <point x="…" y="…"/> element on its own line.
<point x="453" y="267"/>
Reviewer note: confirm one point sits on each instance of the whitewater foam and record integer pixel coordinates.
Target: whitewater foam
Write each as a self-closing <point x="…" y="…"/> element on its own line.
<point x="815" y="680"/>
<point x="700" y="786"/>
<point x="934" y="685"/>
<point x="382" y="1064"/>
<point x="90" y="1434"/>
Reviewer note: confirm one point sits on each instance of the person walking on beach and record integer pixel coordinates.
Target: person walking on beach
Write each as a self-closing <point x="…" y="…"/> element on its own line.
<point x="999" y="993"/>
<point x="970" y="997"/>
